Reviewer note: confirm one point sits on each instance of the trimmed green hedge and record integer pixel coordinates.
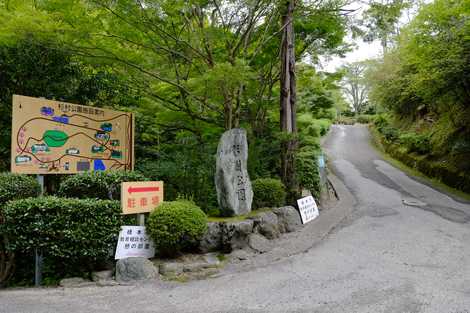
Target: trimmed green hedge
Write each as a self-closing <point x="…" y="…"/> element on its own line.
<point x="12" y="187"/>
<point x="76" y="232"/>
<point x="16" y="186"/>
<point x="101" y="185"/>
<point x="176" y="226"/>
<point x="268" y="192"/>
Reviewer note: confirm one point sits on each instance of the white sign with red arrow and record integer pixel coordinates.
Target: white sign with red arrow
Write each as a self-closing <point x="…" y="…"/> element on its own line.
<point x="140" y="197"/>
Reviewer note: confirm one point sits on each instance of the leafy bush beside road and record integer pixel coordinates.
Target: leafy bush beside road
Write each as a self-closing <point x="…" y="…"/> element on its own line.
<point x="175" y="226"/>
<point x="418" y="143"/>
<point x="268" y="192"/>
<point x="307" y="168"/>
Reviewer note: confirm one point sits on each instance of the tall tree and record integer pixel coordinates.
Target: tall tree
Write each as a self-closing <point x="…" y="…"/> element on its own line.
<point x="202" y="66"/>
<point x="288" y="97"/>
<point x="381" y="20"/>
<point x="355" y="86"/>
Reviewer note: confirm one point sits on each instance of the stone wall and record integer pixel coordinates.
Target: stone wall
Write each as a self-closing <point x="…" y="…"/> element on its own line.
<point x="254" y="232"/>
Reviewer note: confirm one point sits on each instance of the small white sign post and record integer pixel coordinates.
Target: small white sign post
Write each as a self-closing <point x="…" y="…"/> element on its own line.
<point x="134" y="242"/>
<point x="308" y="209"/>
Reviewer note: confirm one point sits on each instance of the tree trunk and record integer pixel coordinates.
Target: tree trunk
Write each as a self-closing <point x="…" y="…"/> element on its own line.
<point x="288" y="101"/>
<point x="7" y="262"/>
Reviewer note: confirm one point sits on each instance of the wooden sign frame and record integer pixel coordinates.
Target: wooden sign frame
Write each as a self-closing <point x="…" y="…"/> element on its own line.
<point x="55" y="137"/>
<point x="141" y="197"/>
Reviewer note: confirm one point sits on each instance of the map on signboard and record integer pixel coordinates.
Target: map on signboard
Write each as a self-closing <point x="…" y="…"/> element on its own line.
<point x="54" y="137"/>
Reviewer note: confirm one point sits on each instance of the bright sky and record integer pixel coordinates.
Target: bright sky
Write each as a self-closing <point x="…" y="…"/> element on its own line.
<point x="363" y="50"/>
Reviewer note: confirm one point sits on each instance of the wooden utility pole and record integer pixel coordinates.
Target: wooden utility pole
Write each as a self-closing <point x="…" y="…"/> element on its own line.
<point x="288" y="100"/>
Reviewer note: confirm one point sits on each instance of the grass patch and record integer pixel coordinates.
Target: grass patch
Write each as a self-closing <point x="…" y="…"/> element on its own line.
<point x="238" y="218"/>
<point x="221" y="257"/>
<point x="181" y="278"/>
<point x="437" y="184"/>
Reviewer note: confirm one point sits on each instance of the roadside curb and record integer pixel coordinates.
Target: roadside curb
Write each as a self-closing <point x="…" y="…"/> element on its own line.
<point x="304" y="239"/>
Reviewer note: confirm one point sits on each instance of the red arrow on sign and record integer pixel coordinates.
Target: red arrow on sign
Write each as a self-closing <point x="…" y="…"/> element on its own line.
<point x="142" y="189"/>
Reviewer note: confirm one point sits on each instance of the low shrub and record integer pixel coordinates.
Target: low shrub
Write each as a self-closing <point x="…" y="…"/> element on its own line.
<point x="176" y="226"/>
<point x="461" y="146"/>
<point x="308" y="174"/>
<point x="390" y="133"/>
<point x="100" y="185"/>
<point x="415" y="142"/>
<point x="76" y="233"/>
<point x="16" y="186"/>
<point x="381" y="121"/>
<point x="268" y="192"/>
<point x="324" y="125"/>
<point x="345" y="120"/>
<point x="365" y="118"/>
<point x="12" y="187"/>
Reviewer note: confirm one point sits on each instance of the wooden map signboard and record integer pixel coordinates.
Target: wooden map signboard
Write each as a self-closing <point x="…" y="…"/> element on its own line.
<point x="141" y="196"/>
<point x="54" y="137"/>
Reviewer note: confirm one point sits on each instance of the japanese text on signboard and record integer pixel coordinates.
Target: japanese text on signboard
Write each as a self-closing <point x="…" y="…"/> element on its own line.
<point x="134" y="242"/>
<point x="308" y="209"/>
<point x="141" y="197"/>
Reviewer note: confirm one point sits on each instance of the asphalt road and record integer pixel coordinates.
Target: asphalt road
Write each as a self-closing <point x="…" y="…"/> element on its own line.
<point x="386" y="257"/>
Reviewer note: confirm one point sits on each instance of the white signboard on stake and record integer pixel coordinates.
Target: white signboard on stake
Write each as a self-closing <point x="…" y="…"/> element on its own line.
<point x="134" y="242"/>
<point x="308" y="209"/>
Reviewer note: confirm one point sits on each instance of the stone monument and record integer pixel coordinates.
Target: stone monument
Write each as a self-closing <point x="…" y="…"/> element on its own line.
<point x="234" y="192"/>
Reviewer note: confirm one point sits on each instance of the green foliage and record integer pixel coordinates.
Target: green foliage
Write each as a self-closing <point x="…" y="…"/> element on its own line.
<point x="418" y="143"/>
<point x="381" y="19"/>
<point x="12" y="187"/>
<point x="365" y="119"/>
<point x="16" y="186"/>
<point x="313" y="127"/>
<point x="345" y="120"/>
<point x="425" y="78"/>
<point x="101" y="185"/>
<point x="268" y="192"/>
<point x="263" y="155"/>
<point x="354" y="85"/>
<point x="380" y="121"/>
<point x="187" y="168"/>
<point x="31" y="67"/>
<point x="384" y="126"/>
<point x="442" y="169"/>
<point x="176" y="226"/>
<point x="390" y="133"/>
<point x="76" y="233"/>
<point x="324" y="126"/>
<point x="306" y="165"/>
<point x="208" y="64"/>
<point x="195" y="76"/>
<point x="317" y="110"/>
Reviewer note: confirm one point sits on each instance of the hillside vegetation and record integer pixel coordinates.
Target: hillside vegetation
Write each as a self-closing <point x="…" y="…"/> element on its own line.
<point x="424" y="85"/>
